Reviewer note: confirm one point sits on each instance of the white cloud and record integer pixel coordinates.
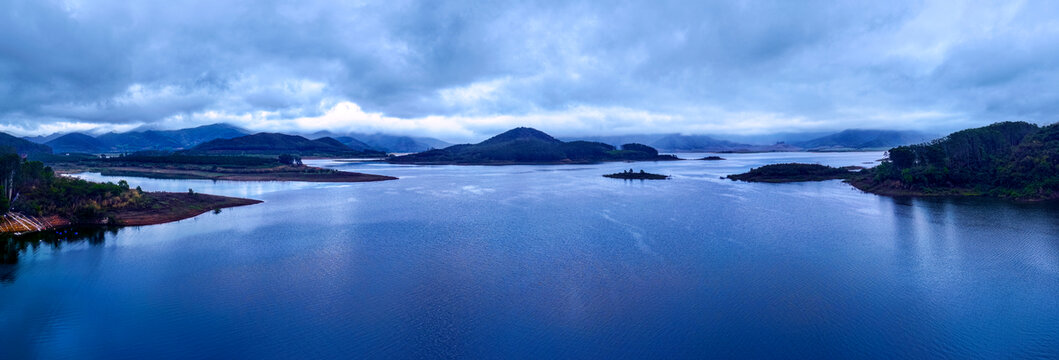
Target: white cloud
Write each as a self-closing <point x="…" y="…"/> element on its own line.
<point x="466" y="70"/>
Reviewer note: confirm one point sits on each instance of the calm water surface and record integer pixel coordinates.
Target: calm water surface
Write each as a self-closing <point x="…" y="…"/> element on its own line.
<point x="548" y="262"/>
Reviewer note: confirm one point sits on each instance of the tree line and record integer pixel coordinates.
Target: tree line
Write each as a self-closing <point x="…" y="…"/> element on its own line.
<point x="1010" y="159"/>
<point x="32" y="188"/>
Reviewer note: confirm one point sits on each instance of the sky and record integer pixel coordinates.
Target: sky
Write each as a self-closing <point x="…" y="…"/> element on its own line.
<point x="461" y="70"/>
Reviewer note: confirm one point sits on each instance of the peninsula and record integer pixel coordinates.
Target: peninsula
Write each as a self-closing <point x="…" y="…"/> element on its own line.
<point x="34" y="198"/>
<point x="158" y="165"/>
<point x="530" y="146"/>
<point x="1011" y="160"/>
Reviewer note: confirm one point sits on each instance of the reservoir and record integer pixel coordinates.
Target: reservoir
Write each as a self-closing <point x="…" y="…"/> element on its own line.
<point x="547" y="262"/>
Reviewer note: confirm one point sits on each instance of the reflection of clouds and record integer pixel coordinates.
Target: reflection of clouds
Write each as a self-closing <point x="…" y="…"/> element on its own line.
<point x="869" y="211"/>
<point x="734" y="196"/>
<point x="448" y="192"/>
<point x="477" y="190"/>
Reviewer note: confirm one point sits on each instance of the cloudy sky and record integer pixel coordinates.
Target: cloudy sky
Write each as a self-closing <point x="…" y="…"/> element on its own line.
<point x="460" y="70"/>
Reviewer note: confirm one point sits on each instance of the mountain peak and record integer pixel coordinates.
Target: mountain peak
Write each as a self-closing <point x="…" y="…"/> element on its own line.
<point x="76" y="143"/>
<point x="521" y="133"/>
<point x="225" y="126"/>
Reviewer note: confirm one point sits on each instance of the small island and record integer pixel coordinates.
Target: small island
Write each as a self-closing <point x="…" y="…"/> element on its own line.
<point x="527" y="146"/>
<point x="712" y="158"/>
<point x="631" y="175"/>
<point x="793" y="172"/>
<point x="33" y="198"/>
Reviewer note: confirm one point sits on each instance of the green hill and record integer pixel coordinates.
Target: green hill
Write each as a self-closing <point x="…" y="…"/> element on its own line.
<point x="275" y="144"/>
<point x="22" y="146"/>
<point x="168" y="139"/>
<point x="531" y="146"/>
<point x="1008" y="159"/>
<point x="76" y="143"/>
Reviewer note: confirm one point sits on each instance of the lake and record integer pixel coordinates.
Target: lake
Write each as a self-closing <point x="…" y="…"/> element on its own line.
<point x="548" y="262"/>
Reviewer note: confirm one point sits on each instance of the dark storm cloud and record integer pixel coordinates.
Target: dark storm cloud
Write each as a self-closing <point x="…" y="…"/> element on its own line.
<point x="464" y="68"/>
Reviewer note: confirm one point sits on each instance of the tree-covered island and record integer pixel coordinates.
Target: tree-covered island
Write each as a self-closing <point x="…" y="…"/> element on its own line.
<point x="793" y="172"/>
<point x="632" y="175"/>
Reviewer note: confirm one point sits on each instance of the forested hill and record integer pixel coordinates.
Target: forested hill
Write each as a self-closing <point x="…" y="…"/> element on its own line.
<point x="167" y="139"/>
<point x="531" y="146"/>
<point x="272" y="144"/>
<point x="22" y="146"/>
<point x="854" y="139"/>
<point x="1008" y="159"/>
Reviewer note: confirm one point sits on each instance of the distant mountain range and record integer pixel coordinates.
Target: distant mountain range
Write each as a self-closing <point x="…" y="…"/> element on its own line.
<point x="854" y="139"/>
<point x="40" y="139"/>
<point x="686" y="143"/>
<point x="171" y="140"/>
<point x="138" y="140"/>
<point x="23" y="146"/>
<point x="384" y="142"/>
<point x="531" y="146"/>
<point x="857" y="139"/>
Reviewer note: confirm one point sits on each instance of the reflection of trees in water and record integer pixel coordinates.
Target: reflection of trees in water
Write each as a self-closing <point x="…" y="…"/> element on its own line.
<point x="11" y="246"/>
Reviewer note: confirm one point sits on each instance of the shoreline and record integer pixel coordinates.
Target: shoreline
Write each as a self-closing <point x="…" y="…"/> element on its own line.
<point x="177" y="207"/>
<point x="319" y="174"/>
<point x="510" y="163"/>
<point x="888" y="190"/>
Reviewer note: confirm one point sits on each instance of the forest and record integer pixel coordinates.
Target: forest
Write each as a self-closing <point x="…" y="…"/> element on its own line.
<point x="1007" y="159"/>
<point x="793" y="172"/>
<point x="34" y="189"/>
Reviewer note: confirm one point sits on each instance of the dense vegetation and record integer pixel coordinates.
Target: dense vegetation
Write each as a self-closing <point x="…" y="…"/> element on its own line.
<point x="530" y="146"/>
<point x="632" y="175"/>
<point x="793" y="172"/>
<point x="34" y="189"/>
<point x="10" y="143"/>
<point x="276" y="144"/>
<point x="76" y="143"/>
<point x="1008" y="159"/>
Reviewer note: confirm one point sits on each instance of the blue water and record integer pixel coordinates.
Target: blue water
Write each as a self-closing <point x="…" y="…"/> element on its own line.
<point x="549" y="262"/>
